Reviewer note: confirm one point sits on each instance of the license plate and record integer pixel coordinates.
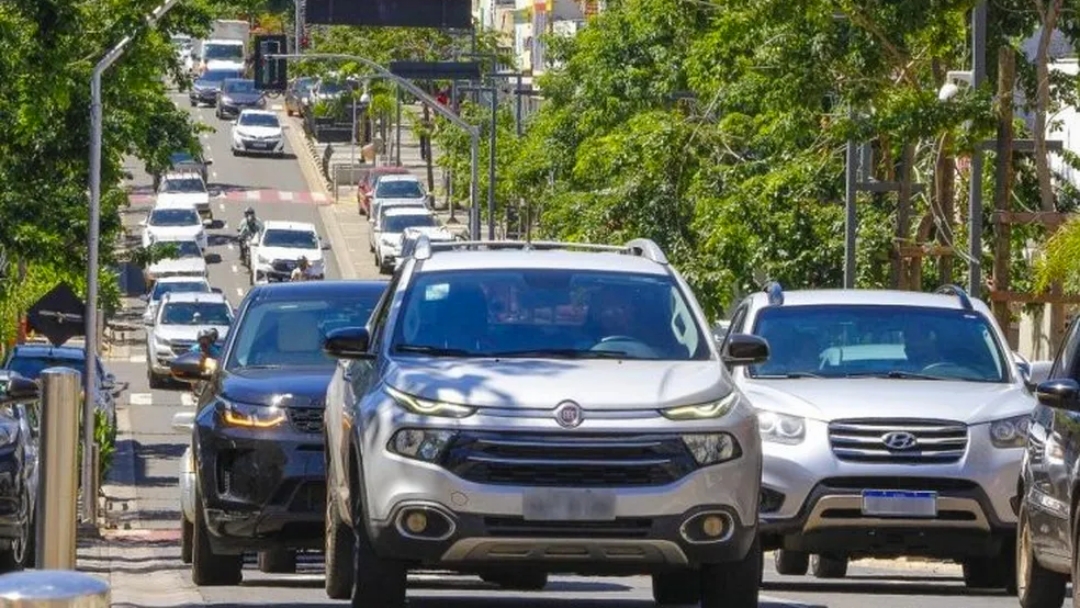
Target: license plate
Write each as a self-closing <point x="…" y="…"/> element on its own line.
<point x="568" y="505"/>
<point x="899" y="503"/>
<point x="259" y="145"/>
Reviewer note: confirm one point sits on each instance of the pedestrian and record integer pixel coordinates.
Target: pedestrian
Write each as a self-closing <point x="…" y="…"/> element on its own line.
<point x="302" y="272"/>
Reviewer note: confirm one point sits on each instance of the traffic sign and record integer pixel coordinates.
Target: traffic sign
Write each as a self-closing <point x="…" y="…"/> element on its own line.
<point x="58" y="315"/>
<point x="271" y="74"/>
<point x="436" y="70"/>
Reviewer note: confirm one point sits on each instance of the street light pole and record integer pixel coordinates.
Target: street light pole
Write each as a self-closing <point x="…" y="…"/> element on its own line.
<point x="850" y="215"/>
<point x="93" y="239"/>
<point x="975" y="207"/>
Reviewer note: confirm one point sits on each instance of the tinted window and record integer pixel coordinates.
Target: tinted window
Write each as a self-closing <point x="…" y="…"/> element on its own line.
<point x="838" y="341"/>
<point x="174" y="217"/>
<point x="399" y="189"/>
<point x="31" y="367"/>
<point x="223" y="52"/>
<point x="161" y="289"/>
<point x="183" y="185"/>
<point x="398" y="223"/>
<point x="216" y="77"/>
<point x="195" y="313"/>
<point x="181" y="157"/>
<point x="331" y="88"/>
<point x="258" y="120"/>
<point x="295" y="239"/>
<point x="549" y="313"/>
<point x="239" y="86"/>
<point x="290" y="333"/>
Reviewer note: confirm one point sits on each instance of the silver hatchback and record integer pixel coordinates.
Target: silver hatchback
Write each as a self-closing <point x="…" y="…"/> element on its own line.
<point x="514" y="410"/>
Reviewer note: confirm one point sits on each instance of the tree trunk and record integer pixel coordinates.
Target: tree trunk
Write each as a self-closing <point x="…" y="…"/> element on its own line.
<point x="1003" y="177"/>
<point x="429" y="149"/>
<point x="1049" y="17"/>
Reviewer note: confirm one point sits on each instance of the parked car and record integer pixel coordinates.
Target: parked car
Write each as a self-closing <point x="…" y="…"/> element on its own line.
<point x="164" y="285"/>
<point x="172" y="221"/>
<point x="276" y="251"/>
<point x="893" y="424"/>
<point x="297" y="93"/>
<point x="180" y="318"/>
<point x="506" y="408"/>
<point x="182" y="188"/>
<point x="365" y="188"/>
<point x="19" y="433"/>
<point x="257" y="439"/>
<point x="208" y="85"/>
<point x="237" y="95"/>
<point x="388" y="231"/>
<point x="411" y="237"/>
<point x="188" y="261"/>
<point x="185" y="161"/>
<point x="29" y="360"/>
<point x="1048" y="532"/>
<point x="397" y="190"/>
<point x="257" y="131"/>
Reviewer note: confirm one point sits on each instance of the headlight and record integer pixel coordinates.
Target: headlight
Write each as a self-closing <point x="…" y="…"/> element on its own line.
<point x="261" y="103"/>
<point x="226" y="100"/>
<point x="430" y="408"/>
<point x="264" y="260"/>
<point x="160" y="344"/>
<point x="251" y="416"/>
<point x="781" y="428"/>
<point x="426" y="445"/>
<point x="389" y="242"/>
<point x="1010" y="432"/>
<point x="704" y="411"/>
<point x="9" y="433"/>
<point x="713" y="448"/>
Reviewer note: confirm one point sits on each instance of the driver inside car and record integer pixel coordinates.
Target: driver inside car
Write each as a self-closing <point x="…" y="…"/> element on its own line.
<point x="920" y="348"/>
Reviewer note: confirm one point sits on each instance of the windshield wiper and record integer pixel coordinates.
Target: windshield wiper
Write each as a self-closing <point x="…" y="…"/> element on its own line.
<point x="433" y="350"/>
<point x="563" y="353"/>
<point x="792" y="375"/>
<point x="263" y="366"/>
<point x="897" y="374"/>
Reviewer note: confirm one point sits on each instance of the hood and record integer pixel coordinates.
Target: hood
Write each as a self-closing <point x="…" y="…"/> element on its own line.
<point x="224" y="64"/>
<point x="288" y="253"/>
<point x="401" y="202"/>
<point x="827" y="400"/>
<point x="258" y="131"/>
<point x="434" y="233"/>
<point x="186" y="265"/>
<point x="187" y="332"/>
<point x="295" y="387"/>
<point x="245" y="97"/>
<point x="542" y="384"/>
<point x="208" y="85"/>
<point x="191" y="198"/>
<point x="165" y="233"/>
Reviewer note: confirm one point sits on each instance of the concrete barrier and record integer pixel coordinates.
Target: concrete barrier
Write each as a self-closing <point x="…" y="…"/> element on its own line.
<point x="53" y="589"/>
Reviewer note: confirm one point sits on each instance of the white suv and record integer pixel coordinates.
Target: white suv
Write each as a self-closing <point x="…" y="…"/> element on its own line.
<point x="893" y="424"/>
<point x="277" y="250"/>
<point x="387" y="233"/>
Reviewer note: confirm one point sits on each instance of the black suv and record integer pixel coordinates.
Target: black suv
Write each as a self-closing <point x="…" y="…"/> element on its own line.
<point x="1048" y="529"/>
<point x="258" y="433"/>
<point x="19" y="427"/>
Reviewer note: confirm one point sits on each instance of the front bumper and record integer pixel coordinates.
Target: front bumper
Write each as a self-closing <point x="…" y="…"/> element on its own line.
<point x="268" y="146"/>
<point x="232" y="110"/>
<point x="266" y="273"/>
<point x="262" y="488"/>
<point x="203" y="96"/>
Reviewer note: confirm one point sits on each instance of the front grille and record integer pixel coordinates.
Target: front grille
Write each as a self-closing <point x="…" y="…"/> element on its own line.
<point x="923" y="441"/>
<point x="307" y="420"/>
<point x="180" y="347"/>
<point x="528" y="459"/>
<point x="518" y="527"/>
<point x="942" y="485"/>
<point x="283" y="265"/>
<point x="309" y="498"/>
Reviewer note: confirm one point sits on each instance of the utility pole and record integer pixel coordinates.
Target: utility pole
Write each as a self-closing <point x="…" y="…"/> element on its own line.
<point x="1003" y="179"/>
<point x="975" y="208"/>
<point x="850" y="228"/>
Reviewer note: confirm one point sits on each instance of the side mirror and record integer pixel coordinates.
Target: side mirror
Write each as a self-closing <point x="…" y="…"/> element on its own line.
<point x="429" y="198"/>
<point x="208" y="162"/>
<point x="745" y="349"/>
<point x="20" y="389"/>
<point x="188" y="367"/>
<point x="1025" y="372"/>
<point x="348" y="343"/>
<point x="143" y="222"/>
<point x="183" y="422"/>
<point x="1059" y="394"/>
<point x="217" y="290"/>
<point x="145" y="297"/>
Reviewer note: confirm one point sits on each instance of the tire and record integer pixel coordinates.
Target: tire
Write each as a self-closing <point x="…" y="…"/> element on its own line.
<point x="676" y="588"/>
<point x="207" y="568"/>
<point x="20" y="553"/>
<point x="277" y="561"/>
<point x="153" y="380"/>
<point x="990" y="572"/>
<point x="379" y="582"/>
<point x="338" y="553"/>
<point x="828" y="566"/>
<point x="791" y="563"/>
<point x="734" y="584"/>
<point x="525" y="580"/>
<point x="194" y="104"/>
<point x="186" y="532"/>
<point x="1036" y="587"/>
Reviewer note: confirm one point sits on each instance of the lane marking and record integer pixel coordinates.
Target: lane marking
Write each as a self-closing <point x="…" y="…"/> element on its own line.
<point x="235" y="269"/>
<point x="240" y="291"/>
<point x="140" y="398"/>
<point x="277" y="107"/>
<point x="221" y="206"/>
<point x="285" y="196"/>
<point x="253" y="195"/>
<point x="137" y="358"/>
<point x="318" y="197"/>
<point x="230" y="245"/>
<point x="187" y="400"/>
<point x="213" y="174"/>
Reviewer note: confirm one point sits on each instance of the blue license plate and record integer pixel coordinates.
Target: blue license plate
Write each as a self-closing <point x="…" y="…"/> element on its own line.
<point x="899" y="503"/>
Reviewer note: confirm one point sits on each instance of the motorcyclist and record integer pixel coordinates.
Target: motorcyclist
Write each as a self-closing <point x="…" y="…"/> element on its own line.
<point x="250" y="227"/>
<point x="207" y="345"/>
<point x="302" y="272"/>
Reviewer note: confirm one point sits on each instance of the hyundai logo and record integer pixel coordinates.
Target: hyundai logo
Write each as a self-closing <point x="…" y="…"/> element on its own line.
<point x="568" y="414"/>
<point x="899" y="440"/>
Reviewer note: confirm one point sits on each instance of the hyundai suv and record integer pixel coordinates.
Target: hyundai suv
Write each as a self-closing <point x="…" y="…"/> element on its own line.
<point x="893" y="424"/>
<point x="513" y="410"/>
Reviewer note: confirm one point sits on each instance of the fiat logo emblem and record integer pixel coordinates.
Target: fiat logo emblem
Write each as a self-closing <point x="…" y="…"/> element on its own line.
<point x="568" y="414"/>
<point x="899" y="440"/>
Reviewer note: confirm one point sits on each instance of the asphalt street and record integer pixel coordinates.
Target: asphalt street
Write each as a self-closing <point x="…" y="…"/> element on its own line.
<point x="281" y="192"/>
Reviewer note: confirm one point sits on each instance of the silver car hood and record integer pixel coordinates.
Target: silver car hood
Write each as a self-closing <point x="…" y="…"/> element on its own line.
<point x="186" y="332"/>
<point x="835" y="399"/>
<point x="544" y="383"/>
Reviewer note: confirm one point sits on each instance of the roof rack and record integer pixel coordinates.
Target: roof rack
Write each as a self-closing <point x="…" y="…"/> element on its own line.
<point x="775" y="293"/>
<point x="645" y="248"/>
<point x="954" y="290"/>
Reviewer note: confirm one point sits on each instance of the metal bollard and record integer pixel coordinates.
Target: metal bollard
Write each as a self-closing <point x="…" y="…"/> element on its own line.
<point x="57" y="506"/>
<point x="53" y="589"/>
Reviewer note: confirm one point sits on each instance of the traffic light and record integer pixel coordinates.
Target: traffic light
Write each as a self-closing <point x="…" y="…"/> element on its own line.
<point x="271" y="73"/>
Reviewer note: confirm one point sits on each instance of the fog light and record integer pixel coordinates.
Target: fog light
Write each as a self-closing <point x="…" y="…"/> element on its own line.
<point x="416" y="522"/>
<point x="712" y="526"/>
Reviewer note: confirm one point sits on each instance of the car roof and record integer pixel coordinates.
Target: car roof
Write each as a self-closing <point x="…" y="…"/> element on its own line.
<point x="258" y="113"/>
<point x="463" y="259"/>
<point x="195" y="296"/>
<point x="316" y="289"/>
<point x="170" y="202"/>
<point x="399" y="177"/>
<point x="865" y="297"/>
<point x="183" y="279"/>
<point x="71" y="353"/>
<point x="182" y="173"/>
<point x="397" y="210"/>
<point x="286" y="225"/>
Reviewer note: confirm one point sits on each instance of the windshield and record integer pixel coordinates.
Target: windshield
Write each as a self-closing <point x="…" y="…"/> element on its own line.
<point x="303" y="85"/>
<point x="293" y="239"/>
<point x="184" y="249"/>
<point x="838" y="341"/>
<point x="331" y="88"/>
<point x="161" y="289"/>
<point x="239" y="86"/>
<point x="31" y="367"/>
<point x="549" y="314"/>
<point x="258" y="120"/>
<point x="291" y="333"/>
<point x="216" y="77"/>
<point x="399" y="189"/>
<point x="174" y="217"/>
<point x="195" y="313"/>
<point x="223" y="52"/>
<point x="183" y="185"/>
<point x="398" y="223"/>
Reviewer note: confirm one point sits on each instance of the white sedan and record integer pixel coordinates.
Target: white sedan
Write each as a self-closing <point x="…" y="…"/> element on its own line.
<point x="174" y="222"/>
<point x="257" y="131"/>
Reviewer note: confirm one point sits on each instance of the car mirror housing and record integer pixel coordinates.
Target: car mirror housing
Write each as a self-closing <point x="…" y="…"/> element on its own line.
<point x="189" y="367"/>
<point x="1059" y="394"/>
<point x="20" y="389"/>
<point x="183" y="422"/>
<point x="348" y="343"/>
<point x="745" y="349"/>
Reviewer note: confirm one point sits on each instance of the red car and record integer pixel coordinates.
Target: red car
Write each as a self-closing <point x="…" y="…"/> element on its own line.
<point x="365" y="188"/>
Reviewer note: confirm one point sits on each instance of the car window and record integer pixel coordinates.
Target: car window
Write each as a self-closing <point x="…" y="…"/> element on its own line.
<point x="174" y="217"/>
<point x="31" y="367"/>
<point x="161" y="288"/>
<point x="196" y="313"/>
<point x="549" y="313"/>
<point x="223" y="52"/>
<point x="217" y="77"/>
<point x="258" y="120"/>
<point x="184" y="249"/>
<point x="294" y="239"/>
<point x="182" y="185"/>
<point x="239" y="86"/>
<point x="399" y="189"/>
<point x="839" y="340"/>
<point x="290" y="333"/>
<point x="398" y="223"/>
